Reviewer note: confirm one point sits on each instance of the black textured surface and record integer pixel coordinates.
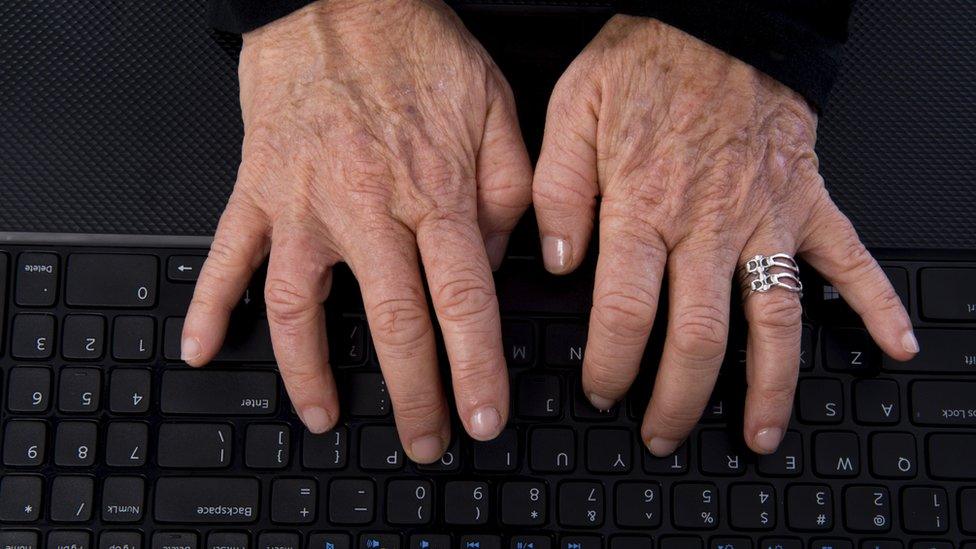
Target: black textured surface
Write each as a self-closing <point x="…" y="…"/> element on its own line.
<point x="122" y="117"/>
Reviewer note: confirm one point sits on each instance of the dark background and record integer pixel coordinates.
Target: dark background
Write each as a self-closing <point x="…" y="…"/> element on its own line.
<point x="122" y="117"/>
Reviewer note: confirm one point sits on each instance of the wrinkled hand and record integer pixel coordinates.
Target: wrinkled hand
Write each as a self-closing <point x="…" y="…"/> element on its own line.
<point x="702" y="162"/>
<point x="373" y="130"/>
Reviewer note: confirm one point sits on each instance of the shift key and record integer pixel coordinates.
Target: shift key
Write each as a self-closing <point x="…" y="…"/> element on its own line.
<point x="209" y="500"/>
<point x="949" y="294"/>
<point x="219" y="392"/>
<point x="944" y="402"/>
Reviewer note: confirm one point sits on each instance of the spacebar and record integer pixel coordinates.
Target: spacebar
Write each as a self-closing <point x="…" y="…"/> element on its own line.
<point x="210" y="500"/>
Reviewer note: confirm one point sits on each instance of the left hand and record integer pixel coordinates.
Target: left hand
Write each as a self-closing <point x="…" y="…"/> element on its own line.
<point x="702" y="162"/>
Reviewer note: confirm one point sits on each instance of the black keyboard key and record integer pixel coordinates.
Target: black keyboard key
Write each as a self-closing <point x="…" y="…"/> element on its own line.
<point x="695" y="506"/>
<point x="820" y="401"/>
<point x="184" y="268"/>
<point x="69" y="539"/>
<point x="20" y="498"/>
<point x="783" y="543"/>
<point x="366" y="395"/>
<point x="730" y="543"/>
<point x="206" y="500"/>
<point x="632" y="542"/>
<point x="893" y="455"/>
<point x="552" y="450"/>
<point x="37" y="279"/>
<point x="899" y="281"/>
<point x="675" y="464"/>
<point x="948" y="294"/>
<point x="79" y="390"/>
<point x="24" y="443"/>
<point x="681" y="542"/>
<point x="129" y="390"/>
<point x="430" y="541"/>
<point x="718" y="454"/>
<point x="71" y="499"/>
<point x="518" y="341"/>
<point x="123" y="499"/>
<point x="528" y="542"/>
<point x="267" y="446"/>
<point x="944" y="402"/>
<point x="638" y="504"/>
<point x="379" y="448"/>
<point x="810" y="508"/>
<point x="294" y="501"/>
<point x="126" y="444"/>
<point x="29" y="389"/>
<point x="867" y="509"/>
<point x="229" y="540"/>
<point x="75" y="444"/>
<point x="539" y="396"/>
<point x="609" y="450"/>
<point x="967" y="506"/>
<point x="836" y="454"/>
<point x="941" y="350"/>
<point x="20" y="539"/>
<point x="449" y="462"/>
<point x="111" y="280"/>
<point x="348" y="344"/>
<point x="248" y="339"/>
<point x="481" y="542"/>
<point x="584" y="410"/>
<point x="806" y="348"/>
<point x="466" y="503"/>
<point x="581" y="542"/>
<point x="174" y="540"/>
<point x="565" y="344"/>
<point x="351" y="501"/>
<point x="33" y="336"/>
<point x="832" y="543"/>
<point x="379" y="541"/>
<point x="850" y="350"/>
<point x="83" y="337"/>
<point x="328" y="450"/>
<point x="786" y="461"/>
<point x="133" y="337"/>
<point x="524" y="504"/>
<point x="952" y="456"/>
<point x="752" y="507"/>
<point x="218" y="392"/>
<point x="331" y="540"/>
<point x="409" y="502"/>
<point x="925" y="510"/>
<point x="876" y="401"/>
<point x="114" y="539"/>
<point x="3" y="298"/>
<point x="498" y="455"/>
<point x="194" y="445"/>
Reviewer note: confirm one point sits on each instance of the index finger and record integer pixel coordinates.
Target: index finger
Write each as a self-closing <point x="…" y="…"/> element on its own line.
<point x="463" y="293"/>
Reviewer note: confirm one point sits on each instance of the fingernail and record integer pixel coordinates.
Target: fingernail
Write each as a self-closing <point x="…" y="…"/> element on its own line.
<point x="555" y="253"/>
<point x="909" y="342"/>
<point x="600" y="403"/>
<point x="495" y="246"/>
<point x="189" y="349"/>
<point x="662" y="447"/>
<point x="485" y="423"/>
<point x="426" y="449"/>
<point x="316" y="419"/>
<point x="767" y="440"/>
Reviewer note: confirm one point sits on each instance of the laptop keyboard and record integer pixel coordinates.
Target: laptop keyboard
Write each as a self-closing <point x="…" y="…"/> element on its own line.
<point x="109" y="441"/>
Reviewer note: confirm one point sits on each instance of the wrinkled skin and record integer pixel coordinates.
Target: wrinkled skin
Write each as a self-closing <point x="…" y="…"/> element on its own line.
<point x="701" y="162"/>
<point x="379" y="134"/>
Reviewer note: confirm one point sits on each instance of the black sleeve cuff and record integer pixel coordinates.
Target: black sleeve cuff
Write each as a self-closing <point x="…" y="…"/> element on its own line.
<point x="797" y="42"/>
<point x="240" y="16"/>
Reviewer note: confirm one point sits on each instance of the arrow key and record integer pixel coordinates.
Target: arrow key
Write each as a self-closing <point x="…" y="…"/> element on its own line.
<point x="184" y="268"/>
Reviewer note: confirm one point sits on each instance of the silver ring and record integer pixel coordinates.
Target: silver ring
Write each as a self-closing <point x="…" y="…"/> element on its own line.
<point x="778" y="270"/>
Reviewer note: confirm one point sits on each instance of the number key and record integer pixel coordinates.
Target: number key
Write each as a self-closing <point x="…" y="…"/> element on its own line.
<point x="638" y="504"/>
<point x="84" y="337"/>
<point x="24" y="443"/>
<point x="581" y="504"/>
<point x="695" y="506"/>
<point x="29" y="389"/>
<point x="466" y="502"/>
<point x="523" y="503"/>
<point x="409" y="501"/>
<point x="129" y="391"/>
<point x="79" y="390"/>
<point x="74" y="443"/>
<point x="33" y="336"/>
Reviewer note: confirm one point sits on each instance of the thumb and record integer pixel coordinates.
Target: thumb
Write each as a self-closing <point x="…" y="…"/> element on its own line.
<point x="504" y="175"/>
<point x="565" y="186"/>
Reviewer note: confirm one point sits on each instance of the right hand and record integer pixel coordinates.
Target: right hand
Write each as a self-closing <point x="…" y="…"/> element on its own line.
<point x="373" y="130"/>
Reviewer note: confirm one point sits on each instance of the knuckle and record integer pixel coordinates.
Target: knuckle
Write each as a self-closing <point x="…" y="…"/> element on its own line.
<point x="299" y="379"/>
<point x="700" y="333"/>
<point x="626" y="313"/>
<point x="399" y="324"/>
<point x="423" y="409"/>
<point x="607" y="378"/>
<point x="673" y="418"/>
<point x="780" y="315"/>
<point x="466" y="296"/>
<point x="478" y="375"/>
<point x="287" y="303"/>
